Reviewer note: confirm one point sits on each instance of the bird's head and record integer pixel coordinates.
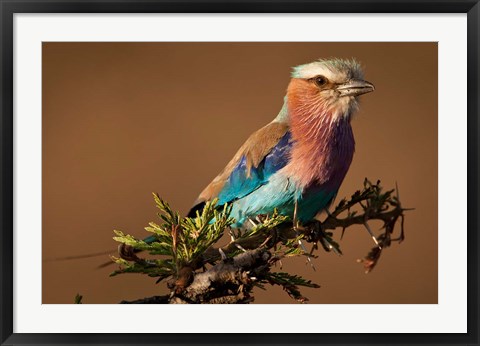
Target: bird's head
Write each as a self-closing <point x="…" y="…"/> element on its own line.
<point x="327" y="86"/>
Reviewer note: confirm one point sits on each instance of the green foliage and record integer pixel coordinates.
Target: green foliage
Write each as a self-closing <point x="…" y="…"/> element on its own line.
<point x="290" y="284"/>
<point x="265" y="224"/>
<point x="290" y="248"/>
<point x="181" y="241"/>
<point x="153" y="268"/>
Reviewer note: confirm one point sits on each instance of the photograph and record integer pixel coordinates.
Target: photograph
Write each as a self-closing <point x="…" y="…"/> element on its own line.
<point x="239" y="172"/>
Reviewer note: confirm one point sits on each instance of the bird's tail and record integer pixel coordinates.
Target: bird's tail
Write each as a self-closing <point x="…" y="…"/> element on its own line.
<point x="198" y="207"/>
<point x="147" y="240"/>
<point x="68" y="258"/>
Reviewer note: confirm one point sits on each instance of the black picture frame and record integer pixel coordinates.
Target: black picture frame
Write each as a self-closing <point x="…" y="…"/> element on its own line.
<point x="10" y="7"/>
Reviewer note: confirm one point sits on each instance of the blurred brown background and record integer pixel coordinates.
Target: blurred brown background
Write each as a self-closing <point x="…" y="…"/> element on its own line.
<point x="122" y="120"/>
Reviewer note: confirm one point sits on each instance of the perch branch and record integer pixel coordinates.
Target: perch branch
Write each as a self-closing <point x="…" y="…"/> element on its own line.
<point x="233" y="270"/>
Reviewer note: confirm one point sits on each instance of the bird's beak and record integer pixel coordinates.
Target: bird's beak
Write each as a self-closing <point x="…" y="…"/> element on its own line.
<point x="355" y="87"/>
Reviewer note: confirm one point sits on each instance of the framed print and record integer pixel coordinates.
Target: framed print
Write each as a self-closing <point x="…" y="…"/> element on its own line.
<point x="283" y="143"/>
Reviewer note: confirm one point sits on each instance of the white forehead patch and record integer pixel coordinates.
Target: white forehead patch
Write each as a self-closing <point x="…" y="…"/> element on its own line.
<point x="336" y="70"/>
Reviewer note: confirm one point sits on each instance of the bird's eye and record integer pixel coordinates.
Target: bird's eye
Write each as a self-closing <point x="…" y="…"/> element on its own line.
<point x="321" y="80"/>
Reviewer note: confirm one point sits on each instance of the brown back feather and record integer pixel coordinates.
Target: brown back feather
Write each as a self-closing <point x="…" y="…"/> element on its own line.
<point x="256" y="147"/>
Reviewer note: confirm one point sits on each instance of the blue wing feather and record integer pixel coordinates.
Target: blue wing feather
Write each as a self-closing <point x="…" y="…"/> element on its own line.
<point x="240" y="184"/>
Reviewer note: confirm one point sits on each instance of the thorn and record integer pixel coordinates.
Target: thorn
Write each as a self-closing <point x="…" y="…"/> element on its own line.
<point x="304" y="249"/>
<point x="335" y="250"/>
<point x="328" y="212"/>
<point x="295" y="228"/>
<point x="314" y="246"/>
<point x="265" y="241"/>
<point x="372" y="235"/>
<point x="238" y="246"/>
<point x="222" y="254"/>
<point x="232" y="236"/>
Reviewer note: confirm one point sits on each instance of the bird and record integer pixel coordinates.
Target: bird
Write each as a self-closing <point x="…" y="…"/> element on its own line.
<point x="296" y="163"/>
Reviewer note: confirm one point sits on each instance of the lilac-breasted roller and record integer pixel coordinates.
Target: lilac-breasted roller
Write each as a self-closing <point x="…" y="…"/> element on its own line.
<point x="298" y="160"/>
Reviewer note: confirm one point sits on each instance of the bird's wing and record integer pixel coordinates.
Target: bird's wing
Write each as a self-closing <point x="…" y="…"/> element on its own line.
<point x="265" y="152"/>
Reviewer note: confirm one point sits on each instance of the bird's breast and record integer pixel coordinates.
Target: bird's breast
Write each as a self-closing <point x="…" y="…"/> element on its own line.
<point x="321" y="160"/>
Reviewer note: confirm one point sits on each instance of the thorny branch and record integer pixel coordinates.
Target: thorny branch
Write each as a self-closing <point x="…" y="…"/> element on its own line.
<point x="200" y="272"/>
